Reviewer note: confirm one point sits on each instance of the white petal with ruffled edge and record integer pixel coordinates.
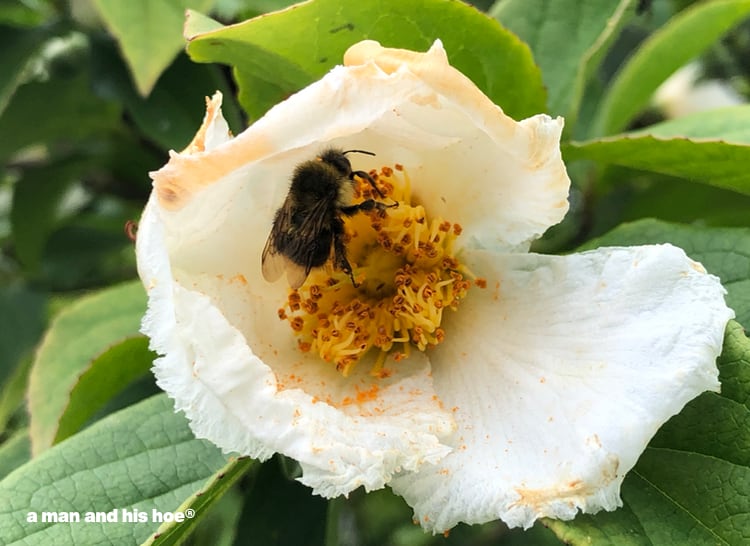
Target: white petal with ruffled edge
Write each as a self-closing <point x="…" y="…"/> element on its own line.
<point x="558" y="374"/>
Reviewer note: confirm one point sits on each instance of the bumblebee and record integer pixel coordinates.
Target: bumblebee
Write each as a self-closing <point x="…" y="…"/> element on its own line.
<point x="308" y="228"/>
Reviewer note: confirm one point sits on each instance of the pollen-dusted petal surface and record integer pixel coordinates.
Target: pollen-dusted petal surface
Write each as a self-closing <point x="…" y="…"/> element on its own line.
<point x="565" y="370"/>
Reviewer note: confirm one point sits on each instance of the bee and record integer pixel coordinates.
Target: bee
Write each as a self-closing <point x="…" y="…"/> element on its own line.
<point x="308" y="228"/>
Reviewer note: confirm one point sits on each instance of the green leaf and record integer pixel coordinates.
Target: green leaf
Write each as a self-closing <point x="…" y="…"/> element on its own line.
<point x="149" y="33"/>
<point x="567" y="38"/>
<point x="730" y="124"/>
<point x="14" y="452"/>
<point x="724" y="252"/>
<point x="19" y="46"/>
<point x="219" y="526"/>
<point x="37" y="197"/>
<point x="281" y="511"/>
<point x="629" y="195"/>
<point x="13" y="393"/>
<point x="92" y="248"/>
<point x="143" y="458"/>
<point x="684" y="37"/>
<point x="231" y="10"/>
<point x="269" y="69"/>
<point x="710" y="147"/>
<point x="23" y="316"/>
<point x="105" y="376"/>
<point x="33" y="115"/>
<point x="620" y="528"/>
<point x="172" y="113"/>
<point x="734" y="368"/>
<point x="174" y="533"/>
<point x="26" y="14"/>
<point x="77" y="343"/>
<point x="22" y="321"/>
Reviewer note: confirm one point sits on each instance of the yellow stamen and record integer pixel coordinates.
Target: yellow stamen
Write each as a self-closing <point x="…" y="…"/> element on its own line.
<point x="407" y="273"/>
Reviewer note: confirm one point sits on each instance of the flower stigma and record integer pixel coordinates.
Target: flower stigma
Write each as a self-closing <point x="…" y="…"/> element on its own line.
<point x="407" y="275"/>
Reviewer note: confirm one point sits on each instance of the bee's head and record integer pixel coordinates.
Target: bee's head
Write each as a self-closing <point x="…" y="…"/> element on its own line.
<point x="338" y="160"/>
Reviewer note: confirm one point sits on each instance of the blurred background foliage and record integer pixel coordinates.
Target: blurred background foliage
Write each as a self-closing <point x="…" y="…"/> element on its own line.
<point x="79" y="131"/>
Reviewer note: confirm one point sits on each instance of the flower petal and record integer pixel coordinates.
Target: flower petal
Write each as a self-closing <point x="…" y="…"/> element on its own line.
<point x="564" y="372"/>
<point x="504" y="181"/>
<point x="214" y="130"/>
<point x="345" y="432"/>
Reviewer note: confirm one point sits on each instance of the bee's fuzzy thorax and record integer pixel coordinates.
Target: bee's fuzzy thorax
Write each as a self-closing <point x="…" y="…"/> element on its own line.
<point x="345" y="195"/>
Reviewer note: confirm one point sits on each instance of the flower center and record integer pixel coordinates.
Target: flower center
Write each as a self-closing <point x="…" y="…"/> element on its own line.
<point x="407" y="275"/>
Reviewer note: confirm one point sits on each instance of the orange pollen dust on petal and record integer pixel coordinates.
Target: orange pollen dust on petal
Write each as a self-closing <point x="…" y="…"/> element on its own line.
<point x="407" y="276"/>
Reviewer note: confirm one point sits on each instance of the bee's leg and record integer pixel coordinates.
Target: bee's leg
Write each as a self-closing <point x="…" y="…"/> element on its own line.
<point x="343" y="264"/>
<point x="366" y="206"/>
<point x="340" y="260"/>
<point x="366" y="176"/>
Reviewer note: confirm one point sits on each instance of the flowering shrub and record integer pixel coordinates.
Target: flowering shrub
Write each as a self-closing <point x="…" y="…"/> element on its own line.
<point x="399" y="278"/>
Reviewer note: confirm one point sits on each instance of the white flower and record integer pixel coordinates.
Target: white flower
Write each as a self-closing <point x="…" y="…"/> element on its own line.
<point x="684" y="93"/>
<point x="550" y="380"/>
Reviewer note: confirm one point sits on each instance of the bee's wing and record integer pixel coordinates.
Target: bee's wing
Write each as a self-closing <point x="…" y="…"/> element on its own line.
<point x="274" y="263"/>
<point x="295" y="274"/>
